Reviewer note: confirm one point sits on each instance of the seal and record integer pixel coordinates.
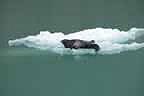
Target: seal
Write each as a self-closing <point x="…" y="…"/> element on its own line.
<point x="77" y="44"/>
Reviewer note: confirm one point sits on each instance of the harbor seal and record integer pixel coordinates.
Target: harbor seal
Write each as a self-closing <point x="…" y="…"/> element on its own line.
<point x="77" y="44"/>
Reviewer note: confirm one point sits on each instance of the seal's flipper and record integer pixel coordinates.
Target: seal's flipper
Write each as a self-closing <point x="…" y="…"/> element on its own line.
<point x="96" y="47"/>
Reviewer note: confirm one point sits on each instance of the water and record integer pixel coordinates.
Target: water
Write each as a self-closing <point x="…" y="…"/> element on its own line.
<point x="34" y="72"/>
<point x="31" y="72"/>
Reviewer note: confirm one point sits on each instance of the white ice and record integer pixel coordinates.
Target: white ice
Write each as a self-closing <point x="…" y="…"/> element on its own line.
<point x="111" y="41"/>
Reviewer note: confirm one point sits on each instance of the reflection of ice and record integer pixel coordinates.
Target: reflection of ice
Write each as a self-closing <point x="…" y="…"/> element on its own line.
<point x="111" y="41"/>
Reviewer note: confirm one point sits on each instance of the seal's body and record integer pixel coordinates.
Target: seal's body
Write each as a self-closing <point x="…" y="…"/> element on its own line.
<point x="77" y="43"/>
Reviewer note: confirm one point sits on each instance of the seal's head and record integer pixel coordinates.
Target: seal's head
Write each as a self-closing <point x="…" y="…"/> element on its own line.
<point x="64" y="41"/>
<point x="67" y="43"/>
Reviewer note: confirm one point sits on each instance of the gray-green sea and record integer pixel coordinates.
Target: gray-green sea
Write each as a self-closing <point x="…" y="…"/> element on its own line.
<point x="33" y="72"/>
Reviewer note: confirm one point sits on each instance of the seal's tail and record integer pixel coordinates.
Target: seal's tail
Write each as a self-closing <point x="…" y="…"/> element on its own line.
<point x="96" y="47"/>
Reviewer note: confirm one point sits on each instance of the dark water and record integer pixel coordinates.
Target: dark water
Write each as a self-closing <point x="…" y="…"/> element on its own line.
<point x="30" y="72"/>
